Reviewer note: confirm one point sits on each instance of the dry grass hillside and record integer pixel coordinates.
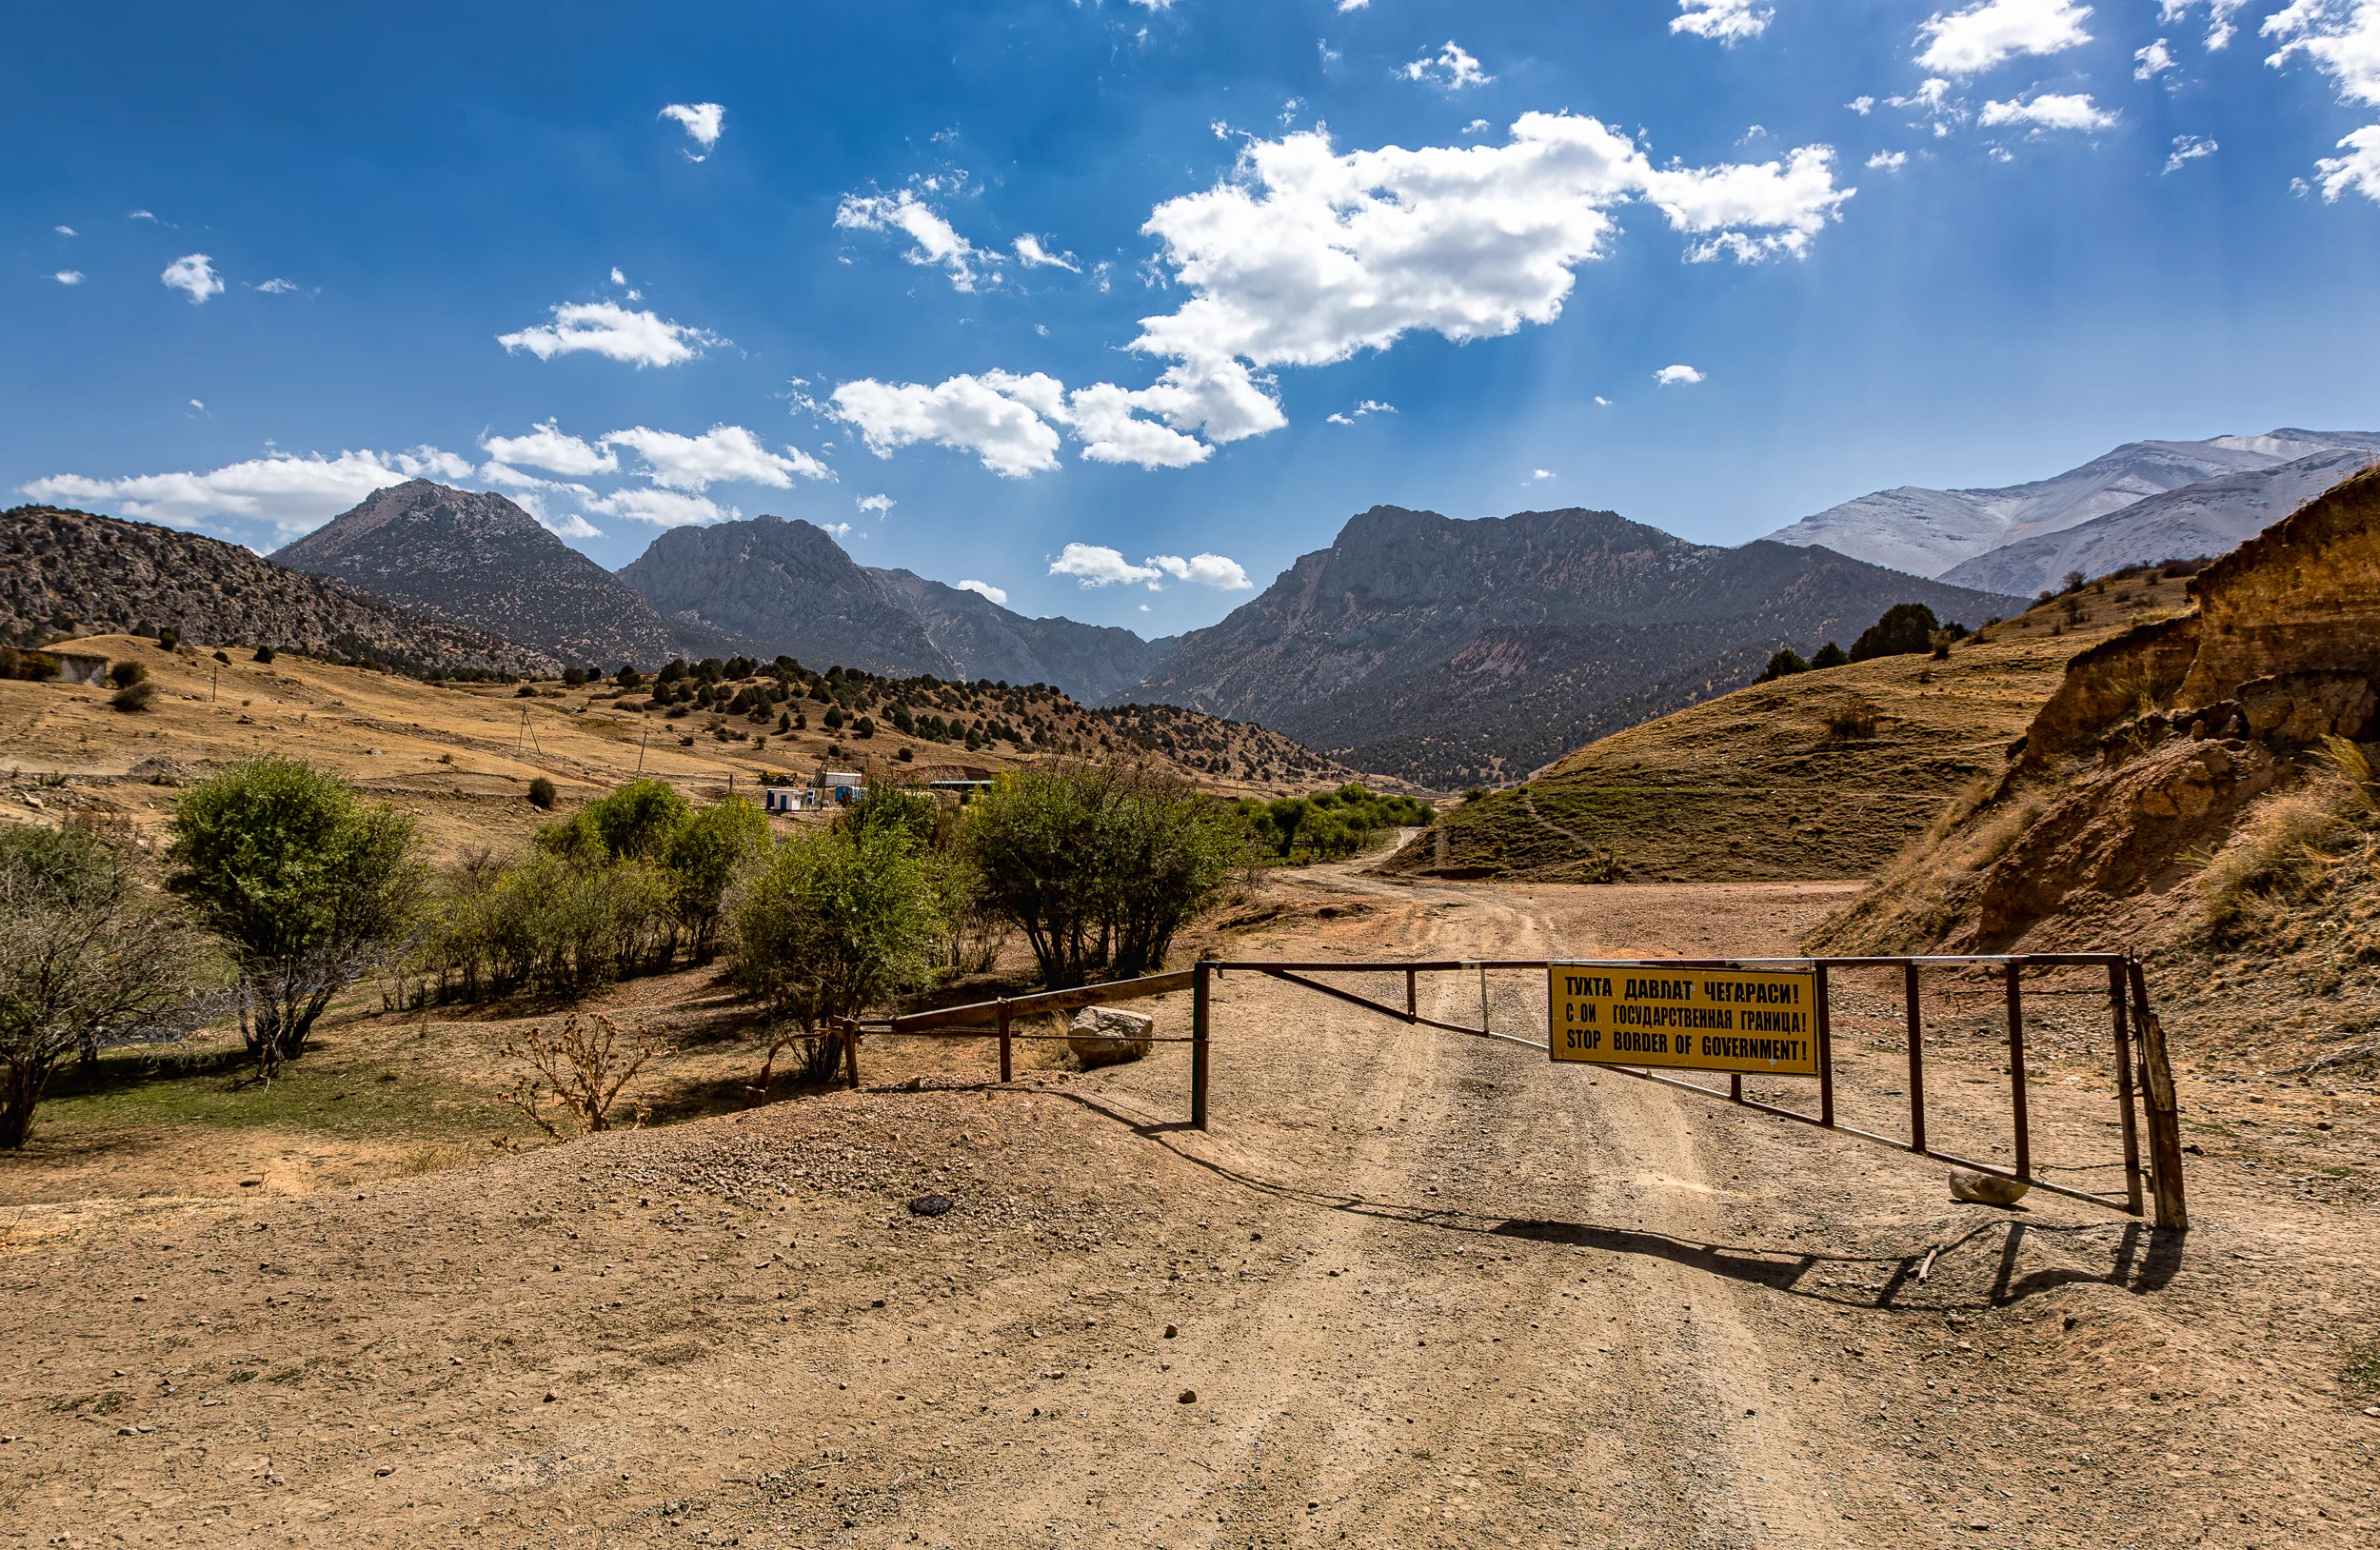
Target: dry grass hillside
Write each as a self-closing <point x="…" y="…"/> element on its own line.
<point x="1824" y="774"/>
<point x="2194" y="791"/>
<point x="462" y="755"/>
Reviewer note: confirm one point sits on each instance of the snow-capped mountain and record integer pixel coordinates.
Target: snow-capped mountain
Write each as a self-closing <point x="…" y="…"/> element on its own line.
<point x="2209" y="517"/>
<point x="1929" y="532"/>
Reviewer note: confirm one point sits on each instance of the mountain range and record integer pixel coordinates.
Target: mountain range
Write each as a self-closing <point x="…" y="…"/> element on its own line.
<point x="1451" y="652"/>
<point x="2174" y="499"/>
<point x="64" y="573"/>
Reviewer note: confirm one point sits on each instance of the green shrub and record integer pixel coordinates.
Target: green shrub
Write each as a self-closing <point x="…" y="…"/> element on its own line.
<point x="1099" y="865"/>
<point x="1830" y="655"/>
<point x="1784" y="664"/>
<point x="89" y="957"/>
<point x="127" y="673"/>
<point x="838" y="918"/>
<point x="305" y="886"/>
<point x="264" y="654"/>
<point x="1906" y="629"/>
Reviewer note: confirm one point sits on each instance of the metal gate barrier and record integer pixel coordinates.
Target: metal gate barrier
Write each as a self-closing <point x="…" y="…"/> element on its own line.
<point x="2143" y="1070"/>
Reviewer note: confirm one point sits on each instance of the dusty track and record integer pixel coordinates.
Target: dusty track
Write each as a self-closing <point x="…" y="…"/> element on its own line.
<point x="1427" y="1291"/>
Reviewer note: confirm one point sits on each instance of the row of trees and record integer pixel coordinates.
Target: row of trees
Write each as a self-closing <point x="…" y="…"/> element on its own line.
<point x="1906" y="629"/>
<point x="285" y="889"/>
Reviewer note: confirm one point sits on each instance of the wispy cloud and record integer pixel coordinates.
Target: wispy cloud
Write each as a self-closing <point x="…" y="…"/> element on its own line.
<point x="612" y="331"/>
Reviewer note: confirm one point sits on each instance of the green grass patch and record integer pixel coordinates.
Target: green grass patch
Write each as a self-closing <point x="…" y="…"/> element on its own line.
<point x="2362" y="1368"/>
<point x="363" y="1081"/>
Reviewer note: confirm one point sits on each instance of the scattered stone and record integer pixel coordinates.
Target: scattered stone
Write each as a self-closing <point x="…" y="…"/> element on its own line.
<point x="1171" y="1331"/>
<point x="1986" y="1188"/>
<point x="1104" y="1036"/>
<point x="1189" y="1395"/>
<point x="930" y="1205"/>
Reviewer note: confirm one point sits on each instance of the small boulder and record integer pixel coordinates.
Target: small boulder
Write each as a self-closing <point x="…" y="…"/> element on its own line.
<point x="1986" y="1188"/>
<point x="1104" y="1036"/>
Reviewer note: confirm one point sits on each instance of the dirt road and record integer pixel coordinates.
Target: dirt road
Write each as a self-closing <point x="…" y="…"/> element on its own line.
<point x="1412" y="1288"/>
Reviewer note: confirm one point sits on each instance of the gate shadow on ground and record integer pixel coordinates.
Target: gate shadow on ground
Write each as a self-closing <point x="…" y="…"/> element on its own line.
<point x="1790" y="1271"/>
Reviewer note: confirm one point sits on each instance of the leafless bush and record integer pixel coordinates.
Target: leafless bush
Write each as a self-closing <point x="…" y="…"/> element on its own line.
<point x="1855" y="721"/>
<point x="134" y="697"/>
<point x="576" y="1072"/>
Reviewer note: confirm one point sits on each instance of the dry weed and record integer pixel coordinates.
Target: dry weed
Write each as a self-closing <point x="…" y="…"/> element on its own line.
<point x="2290" y="844"/>
<point x="576" y="1072"/>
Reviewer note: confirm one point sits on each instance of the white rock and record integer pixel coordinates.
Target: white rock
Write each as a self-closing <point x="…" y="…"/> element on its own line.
<point x="1104" y="1036"/>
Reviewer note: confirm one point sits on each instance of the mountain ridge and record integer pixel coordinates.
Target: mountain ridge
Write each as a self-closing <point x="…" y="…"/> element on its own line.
<point x="477" y="559"/>
<point x="1395" y="648"/>
<point x="1929" y="532"/>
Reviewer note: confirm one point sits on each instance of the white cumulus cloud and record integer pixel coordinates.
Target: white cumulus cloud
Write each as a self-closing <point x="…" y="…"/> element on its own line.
<point x="1971" y="41"/>
<point x="550" y="447"/>
<point x="1306" y="256"/>
<point x="661" y="507"/>
<point x="2342" y="37"/>
<point x="722" y="454"/>
<point x="1889" y="161"/>
<point x="278" y="286"/>
<point x="2219" y="14"/>
<point x="1369" y="406"/>
<point x="1677" y="376"/>
<point x="194" y="276"/>
<point x="2188" y="149"/>
<point x="612" y="331"/>
<point x="1094" y="565"/>
<point x="64" y="230"/>
<point x="1204" y="570"/>
<point x="984" y="590"/>
<point x="702" y="122"/>
<point x="295" y="494"/>
<point x="939" y="244"/>
<point x="1033" y="255"/>
<point x="880" y="506"/>
<point x="2151" y="59"/>
<point x="1729" y="21"/>
<point x="966" y="412"/>
<point x="2358" y="171"/>
<point x="1454" y="69"/>
<point x="69" y="277"/>
<point x="2050" y="110"/>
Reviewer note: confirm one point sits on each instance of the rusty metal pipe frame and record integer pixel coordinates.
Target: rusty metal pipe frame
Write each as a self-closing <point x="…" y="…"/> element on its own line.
<point x="2119" y="966"/>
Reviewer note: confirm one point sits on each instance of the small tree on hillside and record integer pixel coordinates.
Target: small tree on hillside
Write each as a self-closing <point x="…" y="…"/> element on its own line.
<point x="837" y="920"/>
<point x="1905" y="629"/>
<point x="307" y="886"/>
<point x="1100" y="863"/>
<point x="1784" y="664"/>
<point x="704" y="856"/>
<point x="89" y="957"/>
<point x="1830" y="655"/>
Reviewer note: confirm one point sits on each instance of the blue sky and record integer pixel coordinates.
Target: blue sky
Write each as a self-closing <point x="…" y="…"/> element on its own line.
<point x="1125" y="276"/>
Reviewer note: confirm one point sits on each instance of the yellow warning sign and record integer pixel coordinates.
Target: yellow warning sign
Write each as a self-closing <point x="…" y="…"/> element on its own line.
<point x="1701" y="1020"/>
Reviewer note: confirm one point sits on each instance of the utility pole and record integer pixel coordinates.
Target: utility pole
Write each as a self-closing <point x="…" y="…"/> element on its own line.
<point x="212" y="674"/>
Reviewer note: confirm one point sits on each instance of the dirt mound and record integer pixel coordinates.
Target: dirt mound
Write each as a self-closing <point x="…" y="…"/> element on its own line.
<point x="2224" y="730"/>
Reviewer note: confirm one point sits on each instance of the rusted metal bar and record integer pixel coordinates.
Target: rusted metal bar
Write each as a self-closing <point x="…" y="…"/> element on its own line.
<point x="1369" y="1005"/>
<point x="1412" y="1006"/>
<point x="1916" y="1060"/>
<point x="2165" y="1110"/>
<point x="1004" y="1068"/>
<point x="983" y="1014"/>
<point x="1826" y="1048"/>
<point x="2124" y="1086"/>
<point x="1894" y="1142"/>
<point x="2017" y="1072"/>
<point x="1199" y="1016"/>
<point x="1483" y="1002"/>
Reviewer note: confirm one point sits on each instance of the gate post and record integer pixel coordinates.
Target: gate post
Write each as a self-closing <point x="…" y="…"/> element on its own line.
<point x="2165" y="1118"/>
<point x="1199" y="1018"/>
<point x="1004" y="1038"/>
